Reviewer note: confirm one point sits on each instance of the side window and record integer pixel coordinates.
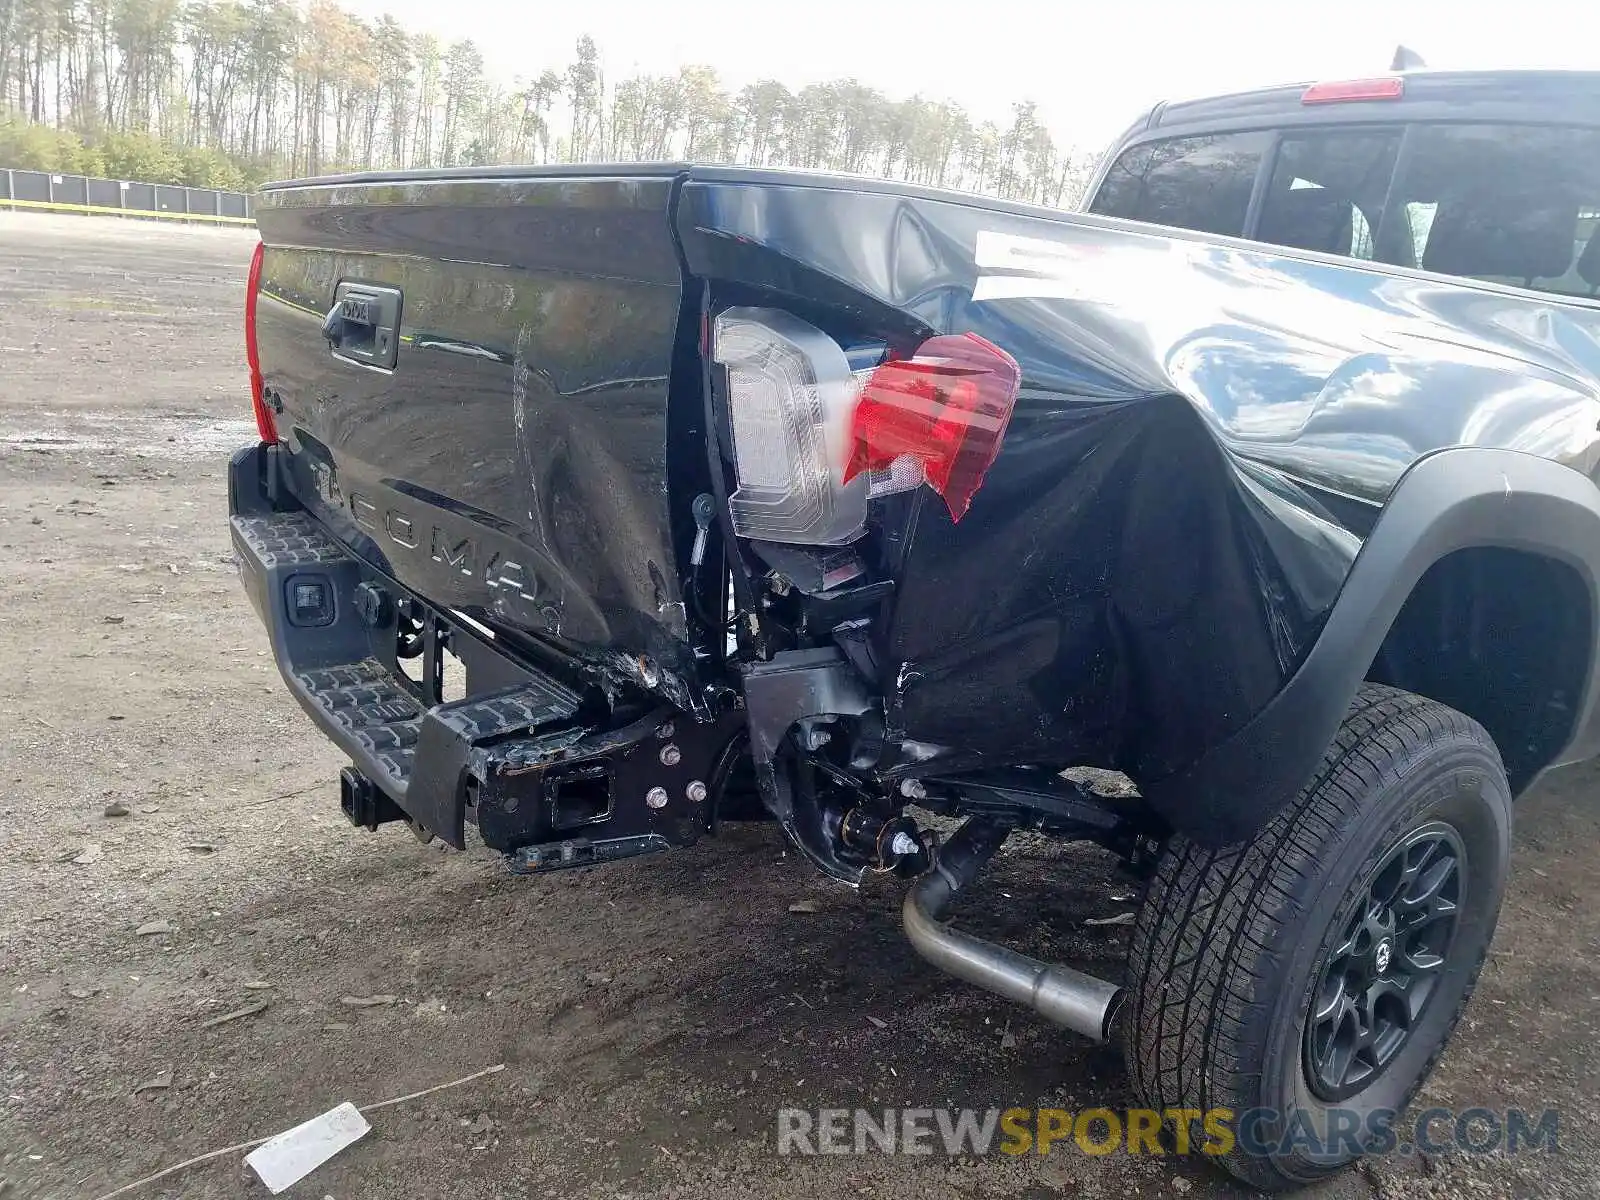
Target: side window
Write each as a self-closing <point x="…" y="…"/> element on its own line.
<point x="1200" y="183"/>
<point x="1327" y="191"/>
<point x="1513" y="204"/>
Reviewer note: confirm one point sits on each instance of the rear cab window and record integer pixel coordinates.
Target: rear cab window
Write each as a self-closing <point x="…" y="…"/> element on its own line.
<point x="1327" y="191"/>
<point x="1201" y="183"/>
<point x="1507" y="203"/>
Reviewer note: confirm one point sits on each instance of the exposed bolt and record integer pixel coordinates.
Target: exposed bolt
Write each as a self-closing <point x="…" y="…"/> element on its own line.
<point x="656" y="797"/>
<point x="665" y="732"/>
<point x="903" y="844"/>
<point x="671" y="756"/>
<point x="913" y="789"/>
<point x="696" y="791"/>
<point x="814" y="738"/>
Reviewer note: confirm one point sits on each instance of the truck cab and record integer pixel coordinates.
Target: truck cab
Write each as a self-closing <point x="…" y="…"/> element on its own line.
<point x="1489" y="175"/>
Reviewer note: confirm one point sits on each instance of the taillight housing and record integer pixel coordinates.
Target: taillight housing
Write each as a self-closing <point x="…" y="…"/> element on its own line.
<point x="790" y="395"/>
<point x="938" y="417"/>
<point x="814" y="441"/>
<point x="266" y="426"/>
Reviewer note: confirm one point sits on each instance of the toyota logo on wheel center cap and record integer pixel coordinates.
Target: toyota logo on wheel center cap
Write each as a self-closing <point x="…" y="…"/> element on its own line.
<point x="1385" y="952"/>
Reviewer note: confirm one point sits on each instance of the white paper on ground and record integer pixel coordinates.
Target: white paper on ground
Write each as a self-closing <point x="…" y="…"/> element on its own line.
<point x="292" y="1155"/>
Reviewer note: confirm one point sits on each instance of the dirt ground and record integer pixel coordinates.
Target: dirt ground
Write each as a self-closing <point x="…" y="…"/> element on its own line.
<point x="652" y="1016"/>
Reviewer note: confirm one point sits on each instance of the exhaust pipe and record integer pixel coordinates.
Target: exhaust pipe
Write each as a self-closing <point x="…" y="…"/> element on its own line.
<point x="1081" y="1002"/>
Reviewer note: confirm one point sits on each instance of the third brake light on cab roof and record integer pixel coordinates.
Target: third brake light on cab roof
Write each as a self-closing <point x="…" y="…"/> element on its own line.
<point x="1388" y="87"/>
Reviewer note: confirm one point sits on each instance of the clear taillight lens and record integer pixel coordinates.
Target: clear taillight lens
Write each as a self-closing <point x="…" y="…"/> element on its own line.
<point x="937" y="418"/>
<point x="790" y="399"/>
<point x="266" y="425"/>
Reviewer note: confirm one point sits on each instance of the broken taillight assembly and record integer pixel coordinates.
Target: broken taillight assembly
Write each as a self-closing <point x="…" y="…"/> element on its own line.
<point x="814" y="440"/>
<point x="790" y="392"/>
<point x="938" y="418"/>
<point x="266" y="426"/>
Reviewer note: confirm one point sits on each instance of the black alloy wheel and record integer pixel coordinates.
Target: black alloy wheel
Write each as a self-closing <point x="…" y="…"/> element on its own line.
<point x="1377" y="982"/>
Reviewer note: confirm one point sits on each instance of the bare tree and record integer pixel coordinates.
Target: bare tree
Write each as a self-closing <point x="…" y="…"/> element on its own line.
<point x="583" y="95"/>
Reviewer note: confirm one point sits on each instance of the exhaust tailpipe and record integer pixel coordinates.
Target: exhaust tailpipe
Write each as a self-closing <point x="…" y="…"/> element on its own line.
<point x="1081" y="1002"/>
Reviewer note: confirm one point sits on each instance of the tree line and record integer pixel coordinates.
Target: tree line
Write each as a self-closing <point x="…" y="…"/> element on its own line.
<point x="228" y="93"/>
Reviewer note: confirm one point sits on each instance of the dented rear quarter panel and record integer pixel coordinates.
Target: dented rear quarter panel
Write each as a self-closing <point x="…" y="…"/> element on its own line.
<point x="1206" y="432"/>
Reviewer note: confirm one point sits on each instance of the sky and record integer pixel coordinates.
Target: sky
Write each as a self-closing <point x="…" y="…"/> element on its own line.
<point x="1091" y="67"/>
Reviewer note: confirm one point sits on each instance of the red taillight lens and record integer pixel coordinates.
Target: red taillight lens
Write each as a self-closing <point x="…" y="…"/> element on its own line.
<point x="1391" y="87"/>
<point x="943" y="412"/>
<point x="265" y="425"/>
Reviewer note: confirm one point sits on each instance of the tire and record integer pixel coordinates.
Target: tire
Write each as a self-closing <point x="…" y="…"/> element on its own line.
<point x="1231" y="947"/>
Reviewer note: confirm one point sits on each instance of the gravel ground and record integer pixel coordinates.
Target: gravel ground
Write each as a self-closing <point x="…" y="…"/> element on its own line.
<point x="652" y="1016"/>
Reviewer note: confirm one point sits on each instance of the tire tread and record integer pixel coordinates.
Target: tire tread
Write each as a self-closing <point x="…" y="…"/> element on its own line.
<point x="1208" y="941"/>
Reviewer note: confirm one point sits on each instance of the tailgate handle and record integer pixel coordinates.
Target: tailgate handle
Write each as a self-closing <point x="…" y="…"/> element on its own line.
<point x="363" y="326"/>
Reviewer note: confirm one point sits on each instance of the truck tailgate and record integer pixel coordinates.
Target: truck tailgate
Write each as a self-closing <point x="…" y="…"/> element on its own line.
<point x="505" y="453"/>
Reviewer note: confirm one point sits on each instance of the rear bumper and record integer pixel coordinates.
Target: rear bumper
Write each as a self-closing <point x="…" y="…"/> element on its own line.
<point x="522" y="755"/>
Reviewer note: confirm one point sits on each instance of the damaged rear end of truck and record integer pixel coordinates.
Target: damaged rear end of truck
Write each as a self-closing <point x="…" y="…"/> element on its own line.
<point x="592" y="506"/>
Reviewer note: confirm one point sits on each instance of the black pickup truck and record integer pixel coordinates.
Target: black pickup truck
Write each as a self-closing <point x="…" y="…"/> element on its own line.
<point x="594" y="506"/>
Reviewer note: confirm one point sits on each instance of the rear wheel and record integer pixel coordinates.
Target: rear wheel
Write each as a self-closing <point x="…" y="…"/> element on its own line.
<point x="1311" y="976"/>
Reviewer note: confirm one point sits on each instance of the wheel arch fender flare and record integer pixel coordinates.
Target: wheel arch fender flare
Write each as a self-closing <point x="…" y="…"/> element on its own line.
<point x="1455" y="499"/>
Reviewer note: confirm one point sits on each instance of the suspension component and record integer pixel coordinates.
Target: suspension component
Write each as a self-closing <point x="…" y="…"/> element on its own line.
<point x="890" y="843"/>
